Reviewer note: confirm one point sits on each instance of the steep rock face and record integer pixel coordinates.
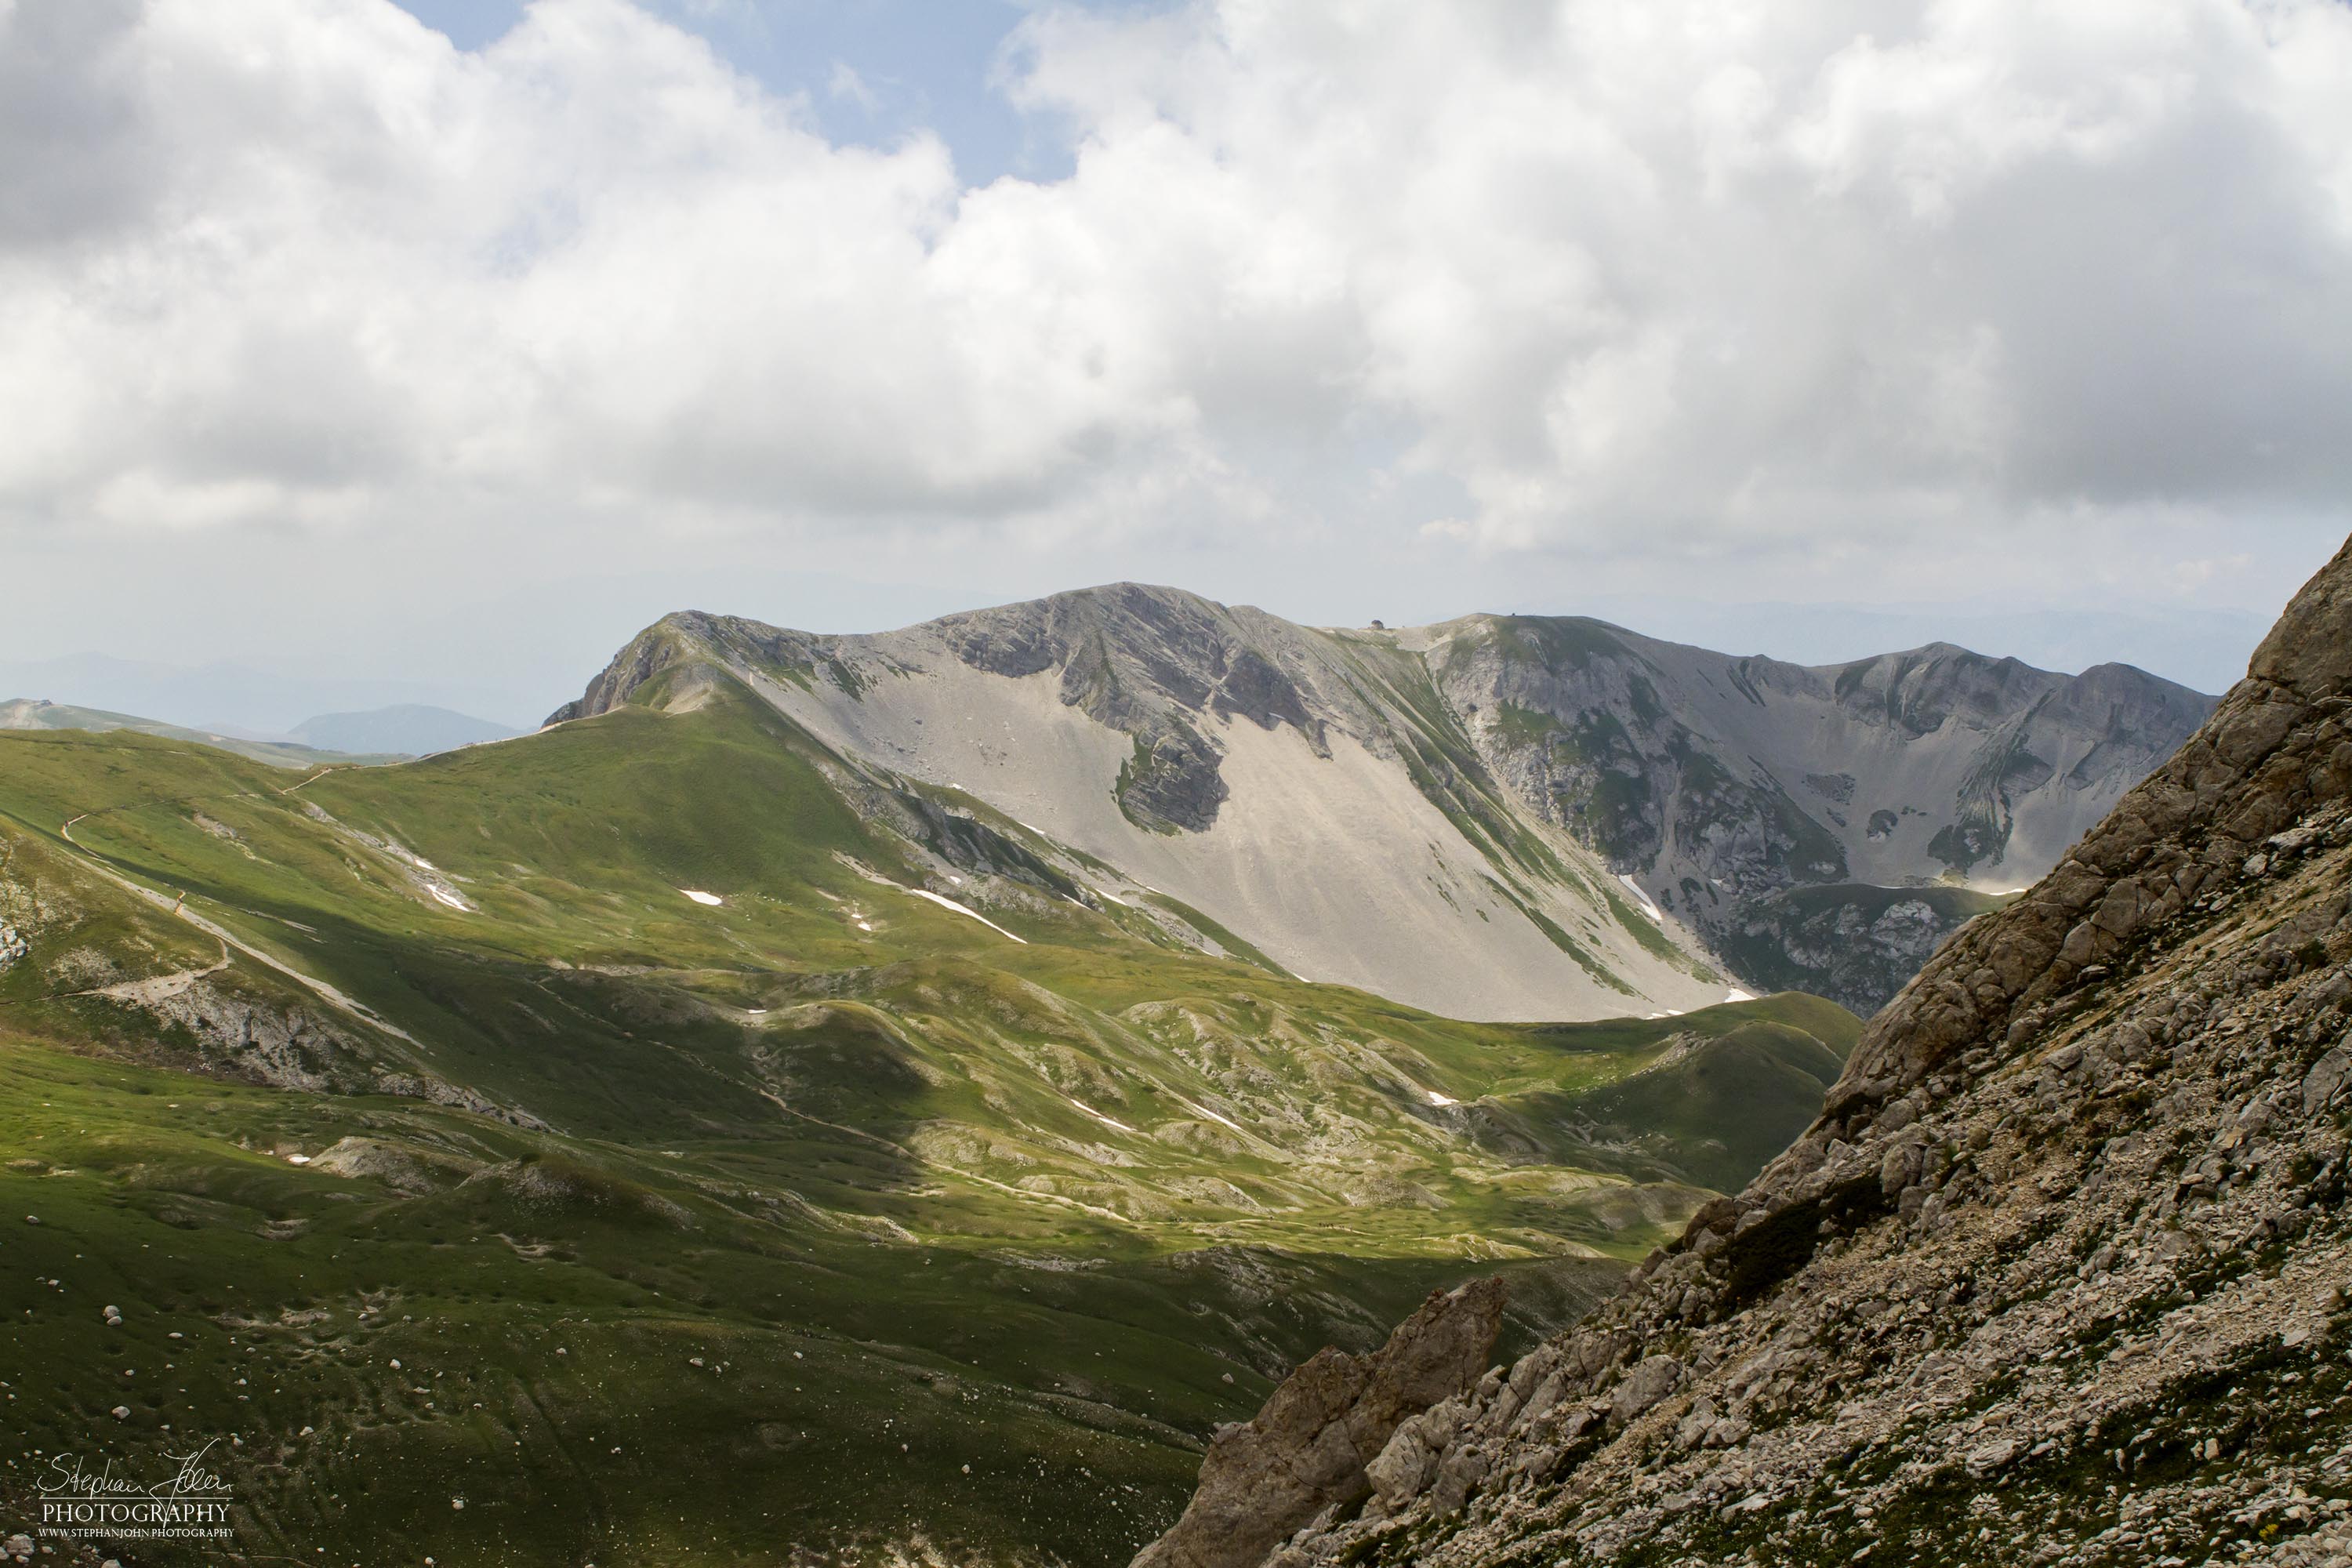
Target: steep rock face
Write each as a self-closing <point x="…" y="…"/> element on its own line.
<point x="2059" y="1274"/>
<point x="1151" y="664"/>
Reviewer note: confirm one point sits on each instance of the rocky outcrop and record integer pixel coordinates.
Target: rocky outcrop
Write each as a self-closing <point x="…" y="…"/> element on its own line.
<point x="666" y="645"/>
<point x="1330" y="1433"/>
<point x="2059" y="1275"/>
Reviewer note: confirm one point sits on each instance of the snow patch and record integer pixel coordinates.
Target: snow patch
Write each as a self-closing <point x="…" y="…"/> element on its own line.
<point x="446" y="896"/>
<point x="1082" y="1105"/>
<point x="297" y="1159"/>
<point x="1437" y="1099"/>
<point x="1736" y="995"/>
<point x="1204" y="1111"/>
<point x="1635" y="888"/>
<point x="699" y="896"/>
<point x="947" y="903"/>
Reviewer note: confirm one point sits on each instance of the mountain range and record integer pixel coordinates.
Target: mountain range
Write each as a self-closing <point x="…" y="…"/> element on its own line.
<point x="1507" y="817"/>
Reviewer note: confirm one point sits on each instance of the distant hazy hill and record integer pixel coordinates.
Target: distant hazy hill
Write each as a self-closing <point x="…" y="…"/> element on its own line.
<point x="34" y="713"/>
<point x="411" y="728"/>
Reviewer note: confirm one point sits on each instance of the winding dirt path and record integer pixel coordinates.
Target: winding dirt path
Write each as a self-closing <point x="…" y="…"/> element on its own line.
<point x="228" y="939"/>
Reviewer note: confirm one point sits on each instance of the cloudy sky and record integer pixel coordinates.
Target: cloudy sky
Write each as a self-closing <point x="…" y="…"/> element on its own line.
<point x="430" y="350"/>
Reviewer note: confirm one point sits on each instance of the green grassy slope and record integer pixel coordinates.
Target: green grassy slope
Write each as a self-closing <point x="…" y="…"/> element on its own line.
<point x="919" y="1197"/>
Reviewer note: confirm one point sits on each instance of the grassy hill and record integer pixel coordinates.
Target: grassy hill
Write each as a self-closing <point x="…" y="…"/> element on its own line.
<point x="877" y="1208"/>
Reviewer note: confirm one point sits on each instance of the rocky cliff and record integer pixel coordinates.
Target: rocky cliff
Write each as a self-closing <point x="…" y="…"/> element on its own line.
<point x="2057" y="1277"/>
<point x="1450" y="815"/>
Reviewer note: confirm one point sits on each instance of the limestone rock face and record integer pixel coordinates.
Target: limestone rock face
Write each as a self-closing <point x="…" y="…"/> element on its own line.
<point x="1312" y="1448"/>
<point x="2059" y="1277"/>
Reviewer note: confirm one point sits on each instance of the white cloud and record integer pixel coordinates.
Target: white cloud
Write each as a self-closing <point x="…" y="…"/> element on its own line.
<point x="1634" y="278"/>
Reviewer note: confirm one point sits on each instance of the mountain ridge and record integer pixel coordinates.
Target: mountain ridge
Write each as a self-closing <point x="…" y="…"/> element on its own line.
<point x="1613" y="813"/>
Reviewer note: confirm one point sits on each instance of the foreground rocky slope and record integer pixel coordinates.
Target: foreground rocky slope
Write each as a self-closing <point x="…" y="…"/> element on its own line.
<point x="1499" y="818"/>
<point x="2059" y="1275"/>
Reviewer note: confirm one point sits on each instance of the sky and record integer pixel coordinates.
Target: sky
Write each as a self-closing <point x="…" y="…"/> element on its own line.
<point x="355" y="352"/>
